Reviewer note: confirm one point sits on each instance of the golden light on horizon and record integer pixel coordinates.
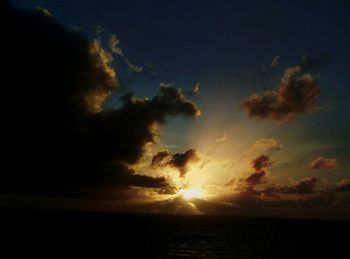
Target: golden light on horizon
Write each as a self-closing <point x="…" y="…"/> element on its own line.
<point x="192" y="193"/>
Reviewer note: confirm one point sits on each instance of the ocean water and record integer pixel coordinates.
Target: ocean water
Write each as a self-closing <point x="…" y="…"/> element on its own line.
<point x="107" y="235"/>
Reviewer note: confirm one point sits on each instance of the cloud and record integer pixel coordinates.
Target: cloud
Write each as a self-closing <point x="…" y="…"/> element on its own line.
<point x="256" y="178"/>
<point x="261" y="162"/>
<point x="63" y="140"/>
<point x="195" y="88"/>
<point x="180" y="161"/>
<point x="114" y="45"/>
<point x="300" y="193"/>
<point x="258" y="164"/>
<point x="164" y="84"/>
<point x="266" y="145"/>
<point x="297" y="94"/>
<point x="274" y="62"/>
<point x="104" y="78"/>
<point x="221" y="139"/>
<point x="152" y="69"/>
<point x="159" y="158"/>
<point x="343" y="185"/>
<point x="304" y="186"/>
<point x="323" y="163"/>
<point x="44" y="11"/>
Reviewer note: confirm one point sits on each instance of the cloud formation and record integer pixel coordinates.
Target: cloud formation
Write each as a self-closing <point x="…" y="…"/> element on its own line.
<point x="196" y="88"/>
<point x="180" y="161"/>
<point x="63" y="141"/>
<point x="261" y="162"/>
<point x="343" y="185"/>
<point x="323" y="163"/>
<point x="44" y="11"/>
<point x="258" y="164"/>
<point x="256" y="178"/>
<point x="266" y="145"/>
<point x="221" y="139"/>
<point x="296" y="94"/>
<point x="114" y="45"/>
<point x="303" y="186"/>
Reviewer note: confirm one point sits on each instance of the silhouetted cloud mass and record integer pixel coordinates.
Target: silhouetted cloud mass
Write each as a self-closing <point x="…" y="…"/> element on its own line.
<point x="180" y="161"/>
<point x="258" y="164"/>
<point x="62" y="140"/>
<point x="261" y="162"/>
<point x="255" y="178"/>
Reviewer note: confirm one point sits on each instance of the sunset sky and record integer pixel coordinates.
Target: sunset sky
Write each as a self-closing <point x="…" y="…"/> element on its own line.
<point x="193" y="107"/>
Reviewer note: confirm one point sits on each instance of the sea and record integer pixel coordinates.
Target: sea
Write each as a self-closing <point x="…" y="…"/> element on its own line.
<point x="120" y="235"/>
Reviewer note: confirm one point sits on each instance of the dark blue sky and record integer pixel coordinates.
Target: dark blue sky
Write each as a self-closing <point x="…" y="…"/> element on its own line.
<point x="224" y="45"/>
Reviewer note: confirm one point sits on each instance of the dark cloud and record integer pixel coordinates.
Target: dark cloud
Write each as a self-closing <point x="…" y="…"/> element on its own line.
<point x="261" y="162"/>
<point x="159" y="158"/>
<point x="300" y="194"/>
<point x="323" y="163"/>
<point x="61" y="141"/>
<point x="255" y="178"/>
<point x="180" y="161"/>
<point x="304" y="186"/>
<point x="258" y="164"/>
<point x="296" y="94"/>
<point x="298" y="187"/>
<point x="343" y="185"/>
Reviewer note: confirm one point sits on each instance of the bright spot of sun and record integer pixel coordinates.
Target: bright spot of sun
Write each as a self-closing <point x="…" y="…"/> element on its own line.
<point x="191" y="193"/>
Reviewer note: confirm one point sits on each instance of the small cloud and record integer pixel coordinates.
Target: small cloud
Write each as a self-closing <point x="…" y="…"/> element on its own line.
<point x="114" y="45"/>
<point x="132" y="67"/>
<point x="323" y="163"/>
<point x="343" y="185"/>
<point x="266" y="145"/>
<point x="274" y="62"/>
<point x="195" y="88"/>
<point x="221" y="139"/>
<point x="152" y="69"/>
<point x="164" y="84"/>
<point x="258" y="164"/>
<point x="43" y="11"/>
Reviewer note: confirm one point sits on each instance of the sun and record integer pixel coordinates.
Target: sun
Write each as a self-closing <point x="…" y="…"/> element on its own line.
<point x="191" y="193"/>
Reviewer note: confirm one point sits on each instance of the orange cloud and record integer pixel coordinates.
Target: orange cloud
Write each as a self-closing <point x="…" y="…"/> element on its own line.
<point x="323" y="163"/>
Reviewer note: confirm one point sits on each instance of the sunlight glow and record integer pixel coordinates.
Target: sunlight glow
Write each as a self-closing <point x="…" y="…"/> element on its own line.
<point x="192" y="193"/>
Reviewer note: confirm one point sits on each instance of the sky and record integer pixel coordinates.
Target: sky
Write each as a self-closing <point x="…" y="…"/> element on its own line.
<point x="190" y="107"/>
